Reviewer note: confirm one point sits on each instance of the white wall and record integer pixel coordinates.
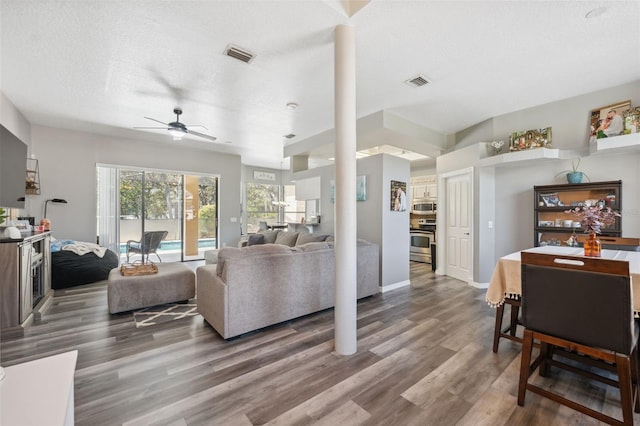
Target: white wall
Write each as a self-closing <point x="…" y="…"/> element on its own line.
<point x="13" y="120"/>
<point x="68" y="170"/>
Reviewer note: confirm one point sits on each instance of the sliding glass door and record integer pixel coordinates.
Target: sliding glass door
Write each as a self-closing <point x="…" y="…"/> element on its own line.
<point x="185" y="206"/>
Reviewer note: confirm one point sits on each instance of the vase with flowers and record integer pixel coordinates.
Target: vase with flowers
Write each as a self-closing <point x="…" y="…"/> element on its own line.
<point x="497" y="147"/>
<point x="592" y="219"/>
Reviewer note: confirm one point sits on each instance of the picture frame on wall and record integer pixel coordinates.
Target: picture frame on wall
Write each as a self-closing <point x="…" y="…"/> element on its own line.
<point x="608" y="121"/>
<point x="530" y="139"/>
<point x="361" y="189"/>
<point x="398" y="196"/>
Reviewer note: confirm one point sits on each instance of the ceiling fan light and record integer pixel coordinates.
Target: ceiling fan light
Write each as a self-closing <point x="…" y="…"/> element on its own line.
<point x="176" y="133"/>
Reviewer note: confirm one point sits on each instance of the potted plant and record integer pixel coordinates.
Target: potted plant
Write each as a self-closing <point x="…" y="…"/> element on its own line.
<point x="3" y="215"/>
<point x="574" y="175"/>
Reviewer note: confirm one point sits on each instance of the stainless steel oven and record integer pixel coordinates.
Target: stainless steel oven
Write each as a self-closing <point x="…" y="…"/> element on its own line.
<point x="420" y="240"/>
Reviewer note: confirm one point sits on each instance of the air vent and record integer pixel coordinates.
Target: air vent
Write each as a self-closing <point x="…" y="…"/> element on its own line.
<point x="418" y="81"/>
<point x="238" y="53"/>
<point x="290" y="136"/>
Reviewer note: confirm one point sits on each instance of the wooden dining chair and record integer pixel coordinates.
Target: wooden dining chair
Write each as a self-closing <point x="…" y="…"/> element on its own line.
<point x="582" y="309"/>
<point x="509" y="332"/>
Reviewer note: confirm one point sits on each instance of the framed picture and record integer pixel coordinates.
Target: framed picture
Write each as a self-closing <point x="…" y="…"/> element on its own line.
<point x="608" y="121"/>
<point x="260" y="175"/>
<point x="398" y="196"/>
<point x="550" y="199"/>
<point x="361" y="189"/>
<point x="530" y="139"/>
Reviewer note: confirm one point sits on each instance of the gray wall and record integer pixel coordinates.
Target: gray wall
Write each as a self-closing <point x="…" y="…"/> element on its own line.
<point x="68" y="170"/>
<point x="512" y="210"/>
<point x="376" y="222"/>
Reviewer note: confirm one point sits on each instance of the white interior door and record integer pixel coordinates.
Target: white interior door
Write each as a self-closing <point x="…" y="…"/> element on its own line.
<point x="458" y="227"/>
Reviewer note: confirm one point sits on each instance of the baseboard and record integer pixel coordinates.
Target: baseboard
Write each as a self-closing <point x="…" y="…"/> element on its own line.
<point x="394" y="286"/>
<point x="479" y="285"/>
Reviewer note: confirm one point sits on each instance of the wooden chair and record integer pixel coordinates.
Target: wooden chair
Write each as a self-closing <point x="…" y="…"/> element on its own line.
<point x="582" y="309"/>
<point x="510" y="331"/>
<point x="149" y="243"/>
<point x="609" y="243"/>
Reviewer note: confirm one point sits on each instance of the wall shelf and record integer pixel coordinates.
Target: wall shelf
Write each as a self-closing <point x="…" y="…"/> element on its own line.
<point x="530" y="157"/>
<point x="612" y="145"/>
<point x="616" y="144"/>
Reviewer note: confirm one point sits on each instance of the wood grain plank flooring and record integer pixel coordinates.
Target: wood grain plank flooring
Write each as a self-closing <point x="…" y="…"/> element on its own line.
<point x="424" y="358"/>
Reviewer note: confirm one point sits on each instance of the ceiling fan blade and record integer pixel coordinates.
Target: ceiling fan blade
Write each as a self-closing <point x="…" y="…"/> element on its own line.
<point x="157" y="121"/>
<point x="195" y="125"/>
<point x="201" y="135"/>
<point x="152" y="128"/>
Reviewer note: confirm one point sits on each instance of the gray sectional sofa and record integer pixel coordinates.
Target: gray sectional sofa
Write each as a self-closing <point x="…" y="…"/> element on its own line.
<point x="260" y="285"/>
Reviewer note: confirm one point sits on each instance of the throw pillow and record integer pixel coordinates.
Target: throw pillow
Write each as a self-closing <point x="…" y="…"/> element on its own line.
<point x="287" y="238"/>
<point x="255" y="239"/>
<point x="306" y="237"/>
<point x="269" y="236"/>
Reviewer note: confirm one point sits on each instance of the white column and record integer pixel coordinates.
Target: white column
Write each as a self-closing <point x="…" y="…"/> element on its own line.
<point x="345" y="195"/>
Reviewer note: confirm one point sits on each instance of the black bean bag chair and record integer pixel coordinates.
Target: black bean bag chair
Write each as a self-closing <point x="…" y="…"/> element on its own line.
<point x="68" y="269"/>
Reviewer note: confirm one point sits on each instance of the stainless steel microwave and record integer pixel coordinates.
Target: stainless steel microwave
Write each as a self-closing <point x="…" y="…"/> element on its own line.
<point x="423" y="207"/>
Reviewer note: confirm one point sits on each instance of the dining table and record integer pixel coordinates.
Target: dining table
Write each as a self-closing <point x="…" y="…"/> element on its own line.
<point x="506" y="278"/>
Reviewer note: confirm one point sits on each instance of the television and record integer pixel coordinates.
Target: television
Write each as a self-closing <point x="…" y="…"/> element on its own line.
<point x="13" y="169"/>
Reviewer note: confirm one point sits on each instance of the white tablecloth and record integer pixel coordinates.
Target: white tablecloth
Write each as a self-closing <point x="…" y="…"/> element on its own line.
<point x="505" y="281"/>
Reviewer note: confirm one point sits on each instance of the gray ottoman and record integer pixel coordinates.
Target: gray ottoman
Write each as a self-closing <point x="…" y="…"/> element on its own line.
<point x="174" y="282"/>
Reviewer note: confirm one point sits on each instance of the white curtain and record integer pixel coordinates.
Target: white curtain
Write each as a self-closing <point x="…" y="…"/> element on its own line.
<point x="108" y="208"/>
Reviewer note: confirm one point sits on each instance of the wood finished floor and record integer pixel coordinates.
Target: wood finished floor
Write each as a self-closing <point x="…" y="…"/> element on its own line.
<point x="424" y="358"/>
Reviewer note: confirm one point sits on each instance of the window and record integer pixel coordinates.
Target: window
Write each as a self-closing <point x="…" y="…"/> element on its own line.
<point x="266" y="204"/>
<point x="294" y="210"/>
<point x="262" y="205"/>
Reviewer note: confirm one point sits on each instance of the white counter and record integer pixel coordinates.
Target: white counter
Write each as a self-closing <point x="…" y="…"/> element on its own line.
<point x="39" y="392"/>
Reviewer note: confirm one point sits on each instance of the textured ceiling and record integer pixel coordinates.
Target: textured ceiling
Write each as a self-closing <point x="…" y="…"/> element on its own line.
<point x="102" y="66"/>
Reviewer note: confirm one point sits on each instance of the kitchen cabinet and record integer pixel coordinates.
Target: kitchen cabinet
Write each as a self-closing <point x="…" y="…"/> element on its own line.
<point x="552" y="226"/>
<point x="424" y="187"/>
<point x="25" y="279"/>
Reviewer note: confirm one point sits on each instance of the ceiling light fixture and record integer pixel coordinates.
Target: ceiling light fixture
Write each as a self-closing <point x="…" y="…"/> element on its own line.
<point x="594" y="13"/>
<point x="292" y="105"/>
<point x="176" y="133"/>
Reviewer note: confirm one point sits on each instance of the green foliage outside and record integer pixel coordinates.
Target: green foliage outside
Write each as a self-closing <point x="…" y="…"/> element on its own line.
<point x="208" y="218"/>
<point x="162" y="194"/>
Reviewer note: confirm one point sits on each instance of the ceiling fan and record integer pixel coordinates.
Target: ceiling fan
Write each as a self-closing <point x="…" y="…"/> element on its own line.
<point x="176" y="128"/>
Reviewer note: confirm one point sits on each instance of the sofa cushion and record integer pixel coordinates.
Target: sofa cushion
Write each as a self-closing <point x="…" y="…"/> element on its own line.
<point x="255" y="239"/>
<point x="313" y="246"/>
<point x="227" y="253"/>
<point x="287" y="238"/>
<point x="269" y="236"/>
<point x="306" y="237"/>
